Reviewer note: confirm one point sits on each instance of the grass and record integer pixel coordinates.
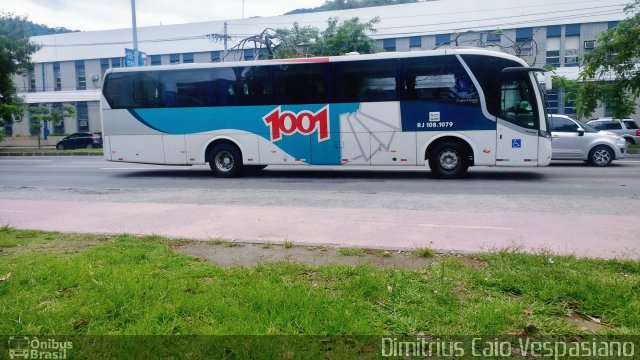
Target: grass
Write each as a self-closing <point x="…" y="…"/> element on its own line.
<point x="287" y="244"/>
<point x="424" y="252"/>
<point x="634" y="149"/>
<point x="351" y="252"/>
<point x="86" y="284"/>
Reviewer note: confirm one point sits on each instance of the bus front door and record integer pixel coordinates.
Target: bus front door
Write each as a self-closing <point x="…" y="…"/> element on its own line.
<point x="517" y="127"/>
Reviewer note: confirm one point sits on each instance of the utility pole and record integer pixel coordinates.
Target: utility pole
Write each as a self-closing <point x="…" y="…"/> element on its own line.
<point x="135" y="33"/>
<point x="225" y="36"/>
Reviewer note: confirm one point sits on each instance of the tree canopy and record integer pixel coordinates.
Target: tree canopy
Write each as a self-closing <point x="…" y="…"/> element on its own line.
<point x="15" y="56"/>
<point x="611" y="74"/>
<point x="337" y="39"/>
<point x="330" y="5"/>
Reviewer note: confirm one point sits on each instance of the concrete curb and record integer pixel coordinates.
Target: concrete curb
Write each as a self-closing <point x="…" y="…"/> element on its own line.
<point x="31" y="153"/>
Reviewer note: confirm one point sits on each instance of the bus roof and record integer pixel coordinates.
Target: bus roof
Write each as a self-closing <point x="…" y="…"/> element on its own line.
<point x="326" y="59"/>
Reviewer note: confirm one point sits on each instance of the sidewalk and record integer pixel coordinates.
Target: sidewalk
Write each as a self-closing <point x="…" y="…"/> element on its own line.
<point x="603" y="236"/>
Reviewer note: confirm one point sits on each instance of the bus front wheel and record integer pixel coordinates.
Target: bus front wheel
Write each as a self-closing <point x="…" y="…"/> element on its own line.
<point x="225" y="160"/>
<point x="448" y="160"/>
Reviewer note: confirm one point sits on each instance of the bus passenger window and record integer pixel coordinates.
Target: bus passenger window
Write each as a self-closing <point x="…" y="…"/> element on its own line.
<point x="364" y="81"/>
<point x="439" y="78"/>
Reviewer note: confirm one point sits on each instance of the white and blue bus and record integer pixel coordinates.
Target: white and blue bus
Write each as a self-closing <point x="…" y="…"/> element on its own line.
<point x="448" y="109"/>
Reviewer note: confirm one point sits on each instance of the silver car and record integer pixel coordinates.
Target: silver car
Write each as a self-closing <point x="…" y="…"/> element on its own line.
<point x="627" y="128"/>
<point x="575" y="140"/>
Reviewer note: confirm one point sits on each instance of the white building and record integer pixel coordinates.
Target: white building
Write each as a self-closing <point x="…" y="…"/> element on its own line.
<point x="69" y="67"/>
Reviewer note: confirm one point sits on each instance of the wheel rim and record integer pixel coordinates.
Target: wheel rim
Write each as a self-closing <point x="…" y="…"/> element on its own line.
<point x="449" y="160"/>
<point x="224" y="161"/>
<point x="601" y="157"/>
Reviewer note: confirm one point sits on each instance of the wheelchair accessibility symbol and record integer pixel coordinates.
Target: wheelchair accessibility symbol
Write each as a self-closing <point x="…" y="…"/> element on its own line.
<point x="516" y="143"/>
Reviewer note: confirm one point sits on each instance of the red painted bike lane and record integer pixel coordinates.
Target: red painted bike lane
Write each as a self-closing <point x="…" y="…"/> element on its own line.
<point x="589" y="235"/>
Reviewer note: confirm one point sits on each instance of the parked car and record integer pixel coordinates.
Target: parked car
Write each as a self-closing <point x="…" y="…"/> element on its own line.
<point x="575" y="140"/>
<point x="625" y="127"/>
<point x="80" y="140"/>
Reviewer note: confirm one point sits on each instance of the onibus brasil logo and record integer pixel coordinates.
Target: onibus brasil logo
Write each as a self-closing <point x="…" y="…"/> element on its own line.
<point x="283" y="123"/>
<point x="24" y="347"/>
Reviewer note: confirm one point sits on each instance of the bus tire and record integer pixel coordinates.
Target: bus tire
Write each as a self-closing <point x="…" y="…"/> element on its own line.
<point x="448" y="160"/>
<point x="225" y="160"/>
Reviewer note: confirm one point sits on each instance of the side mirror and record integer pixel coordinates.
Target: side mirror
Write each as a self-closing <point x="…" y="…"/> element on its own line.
<point x="580" y="132"/>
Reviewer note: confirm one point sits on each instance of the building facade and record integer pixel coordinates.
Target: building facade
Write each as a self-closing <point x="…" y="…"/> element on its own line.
<point x="69" y="68"/>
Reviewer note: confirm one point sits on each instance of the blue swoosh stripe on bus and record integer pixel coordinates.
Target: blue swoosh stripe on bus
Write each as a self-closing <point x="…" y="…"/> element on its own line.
<point x="135" y="114"/>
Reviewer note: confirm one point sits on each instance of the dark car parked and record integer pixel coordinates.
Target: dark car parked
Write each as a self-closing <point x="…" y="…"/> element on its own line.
<point x="80" y="141"/>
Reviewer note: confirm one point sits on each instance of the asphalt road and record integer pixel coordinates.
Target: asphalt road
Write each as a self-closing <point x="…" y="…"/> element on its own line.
<point x="531" y="208"/>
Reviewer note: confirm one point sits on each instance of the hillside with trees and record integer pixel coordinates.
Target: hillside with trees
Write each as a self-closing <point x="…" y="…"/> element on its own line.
<point x="330" y="5"/>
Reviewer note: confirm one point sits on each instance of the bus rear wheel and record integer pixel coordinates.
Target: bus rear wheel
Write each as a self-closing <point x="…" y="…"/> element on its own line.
<point x="225" y="160"/>
<point x="448" y="160"/>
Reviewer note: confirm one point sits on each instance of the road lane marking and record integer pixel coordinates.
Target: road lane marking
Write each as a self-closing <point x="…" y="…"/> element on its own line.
<point x="12" y="211"/>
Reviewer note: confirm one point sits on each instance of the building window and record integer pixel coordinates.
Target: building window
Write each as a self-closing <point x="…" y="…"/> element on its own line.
<point x="608" y="111"/>
<point x="415" y="42"/>
<point x="389" y="44"/>
<point x="493" y="37"/>
<point x="443" y="39"/>
<point x="187" y="58"/>
<point x="572" y="30"/>
<point x="8" y="130"/>
<point x="569" y="108"/>
<point x="32" y="81"/>
<point x="612" y="24"/>
<point x="104" y="66"/>
<point x="552" y="101"/>
<point x="215" y="56"/>
<point x="81" y="77"/>
<point x="553" y="58"/>
<point x="57" y="78"/>
<point x="82" y="112"/>
<point x="174" y="58"/>
<point x="156" y="60"/>
<point x="116" y="62"/>
<point x="58" y="128"/>
<point x="554" y="31"/>
<point x="33" y="123"/>
<point x="524" y="34"/>
<point x="247" y="54"/>
<point x="571" y="51"/>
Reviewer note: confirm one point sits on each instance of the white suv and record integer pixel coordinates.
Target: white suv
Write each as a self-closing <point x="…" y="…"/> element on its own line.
<point x="626" y="128"/>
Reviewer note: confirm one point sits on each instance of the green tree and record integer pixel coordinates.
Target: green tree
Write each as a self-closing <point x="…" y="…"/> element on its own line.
<point x="337" y="39"/>
<point x="611" y="73"/>
<point x="45" y="114"/>
<point x="15" y="57"/>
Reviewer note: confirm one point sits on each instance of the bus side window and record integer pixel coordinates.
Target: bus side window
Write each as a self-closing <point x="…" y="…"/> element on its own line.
<point x="146" y="93"/>
<point x="367" y="81"/>
<point x="439" y="78"/>
<point x="301" y="83"/>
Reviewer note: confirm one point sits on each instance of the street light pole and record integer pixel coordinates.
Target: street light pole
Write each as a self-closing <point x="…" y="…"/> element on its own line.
<point x="135" y="33"/>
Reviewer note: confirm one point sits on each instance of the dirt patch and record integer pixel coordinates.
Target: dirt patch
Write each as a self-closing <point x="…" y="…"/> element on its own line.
<point x="242" y="254"/>
<point x="585" y="323"/>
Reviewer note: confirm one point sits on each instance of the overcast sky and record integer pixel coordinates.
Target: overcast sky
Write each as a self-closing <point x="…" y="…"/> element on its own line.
<point x="89" y="15"/>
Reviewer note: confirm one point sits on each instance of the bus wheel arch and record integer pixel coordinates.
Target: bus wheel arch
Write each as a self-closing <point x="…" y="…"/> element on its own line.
<point x="225" y="158"/>
<point x="449" y="157"/>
